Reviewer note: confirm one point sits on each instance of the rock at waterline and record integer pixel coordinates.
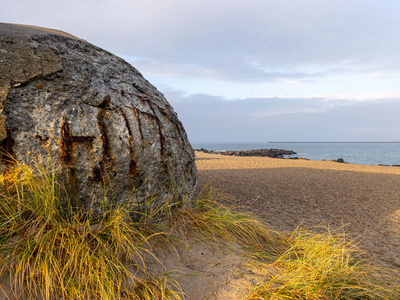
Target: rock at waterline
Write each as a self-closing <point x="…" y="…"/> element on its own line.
<point x="275" y="153"/>
<point x="110" y="129"/>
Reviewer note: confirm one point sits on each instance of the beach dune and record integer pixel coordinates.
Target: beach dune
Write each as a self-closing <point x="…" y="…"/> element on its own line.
<point x="360" y="199"/>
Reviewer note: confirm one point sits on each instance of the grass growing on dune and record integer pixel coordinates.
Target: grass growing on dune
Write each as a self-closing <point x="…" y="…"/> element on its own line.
<point x="211" y="222"/>
<point x="55" y="251"/>
<point x="60" y="253"/>
<point x="322" y="266"/>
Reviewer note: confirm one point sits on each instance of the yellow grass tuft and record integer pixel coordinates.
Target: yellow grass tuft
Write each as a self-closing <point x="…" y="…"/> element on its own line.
<point x="212" y="222"/>
<point x="59" y="253"/>
<point x="322" y="266"/>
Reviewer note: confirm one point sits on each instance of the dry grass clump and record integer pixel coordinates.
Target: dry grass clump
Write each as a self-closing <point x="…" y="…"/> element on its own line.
<point x="322" y="266"/>
<point x="211" y="222"/>
<point x="54" y="251"/>
<point x="59" y="253"/>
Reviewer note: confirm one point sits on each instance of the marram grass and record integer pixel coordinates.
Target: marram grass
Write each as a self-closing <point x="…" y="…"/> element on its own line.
<point x="54" y="251"/>
<point x="211" y="222"/>
<point x="322" y="266"/>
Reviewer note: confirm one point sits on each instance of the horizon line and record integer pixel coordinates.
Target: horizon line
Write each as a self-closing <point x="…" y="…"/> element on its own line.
<point x="393" y="142"/>
<point x="289" y="142"/>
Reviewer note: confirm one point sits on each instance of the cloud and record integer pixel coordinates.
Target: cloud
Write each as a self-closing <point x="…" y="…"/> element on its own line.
<point x="245" y="72"/>
<point x="260" y="40"/>
<point x="216" y="119"/>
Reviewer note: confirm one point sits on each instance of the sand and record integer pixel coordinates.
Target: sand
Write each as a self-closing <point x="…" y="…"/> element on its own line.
<point x="287" y="193"/>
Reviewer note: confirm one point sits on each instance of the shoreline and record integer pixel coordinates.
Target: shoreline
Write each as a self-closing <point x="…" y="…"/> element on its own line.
<point x="249" y="162"/>
<point x="362" y="200"/>
<point x="375" y="154"/>
<point x="272" y="153"/>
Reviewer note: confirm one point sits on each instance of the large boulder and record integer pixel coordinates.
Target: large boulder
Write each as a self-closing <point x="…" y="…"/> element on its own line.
<point x="114" y="134"/>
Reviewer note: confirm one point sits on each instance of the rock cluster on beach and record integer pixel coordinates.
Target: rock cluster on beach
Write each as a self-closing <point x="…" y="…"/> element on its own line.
<point x="275" y="153"/>
<point x="113" y="133"/>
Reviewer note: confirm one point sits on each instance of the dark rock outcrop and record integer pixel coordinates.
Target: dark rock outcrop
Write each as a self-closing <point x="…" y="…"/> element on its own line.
<point x="111" y="131"/>
<point x="275" y="153"/>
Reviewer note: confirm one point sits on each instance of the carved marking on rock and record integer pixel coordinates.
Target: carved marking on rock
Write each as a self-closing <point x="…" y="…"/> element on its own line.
<point x="99" y="172"/>
<point x="159" y="125"/>
<point x="66" y="144"/>
<point x="178" y="125"/>
<point x="136" y="113"/>
<point x="160" y="134"/>
<point x="68" y="141"/>
<point x="133" y="169"/>
<point x="145" y="99"/>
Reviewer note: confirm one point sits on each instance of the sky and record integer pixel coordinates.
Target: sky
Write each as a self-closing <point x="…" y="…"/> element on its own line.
<point x="251" y="71"/>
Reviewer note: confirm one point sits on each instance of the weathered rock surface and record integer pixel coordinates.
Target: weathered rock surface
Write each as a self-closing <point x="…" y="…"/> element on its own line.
<point x="112" y="131"/>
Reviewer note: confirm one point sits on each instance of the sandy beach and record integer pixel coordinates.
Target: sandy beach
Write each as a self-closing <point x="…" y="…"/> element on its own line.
<point x="287" y="193"/>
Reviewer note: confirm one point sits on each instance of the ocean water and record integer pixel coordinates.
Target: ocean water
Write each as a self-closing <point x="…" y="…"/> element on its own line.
<point x="354" y="153"/>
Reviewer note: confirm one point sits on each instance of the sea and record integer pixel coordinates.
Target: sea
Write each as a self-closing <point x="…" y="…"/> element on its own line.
<point x="354" y="153"/>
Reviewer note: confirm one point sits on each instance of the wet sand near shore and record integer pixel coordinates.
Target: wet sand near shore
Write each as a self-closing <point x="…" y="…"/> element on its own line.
<point x="287" y="193"/>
